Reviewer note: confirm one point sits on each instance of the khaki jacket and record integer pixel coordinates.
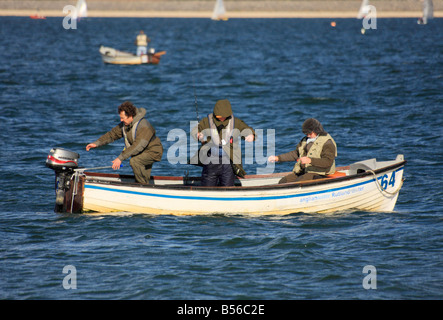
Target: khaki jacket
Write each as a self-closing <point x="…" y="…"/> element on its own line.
<point x="322" y="153"/>
<point x="240" y="131"/>
<point x="139" y="138"/>
<point x="141" y="40"/>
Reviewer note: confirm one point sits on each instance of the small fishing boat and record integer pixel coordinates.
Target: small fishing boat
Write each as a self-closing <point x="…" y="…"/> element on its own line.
<point x="219" y="12"/>
<point x="368" y="185"/>
<point x="113" y="56"/>
<point x="37" y="16"/>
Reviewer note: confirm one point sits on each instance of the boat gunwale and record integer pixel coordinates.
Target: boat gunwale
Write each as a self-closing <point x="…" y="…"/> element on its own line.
<point x="290" y="185"/>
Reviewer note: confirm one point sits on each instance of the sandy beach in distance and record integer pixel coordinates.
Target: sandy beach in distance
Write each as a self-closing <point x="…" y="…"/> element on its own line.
<point x="203" y="8"/>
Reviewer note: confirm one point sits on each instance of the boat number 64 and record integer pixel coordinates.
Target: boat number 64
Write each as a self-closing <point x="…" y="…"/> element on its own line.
<point x="385" y="181"/>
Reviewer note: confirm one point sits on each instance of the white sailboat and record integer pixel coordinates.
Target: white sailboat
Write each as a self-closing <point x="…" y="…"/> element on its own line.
<point x="428" y="11"/>
<point x="81" y="10"/>
<point x="219" y="12"/>
<point x="364" y="9"/>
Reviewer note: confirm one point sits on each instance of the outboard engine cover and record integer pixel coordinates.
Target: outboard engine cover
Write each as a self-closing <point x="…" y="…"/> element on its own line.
<point x="62" y="160"/>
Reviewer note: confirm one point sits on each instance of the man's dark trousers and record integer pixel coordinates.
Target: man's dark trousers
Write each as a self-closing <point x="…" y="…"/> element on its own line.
<point x="217" y="175"/>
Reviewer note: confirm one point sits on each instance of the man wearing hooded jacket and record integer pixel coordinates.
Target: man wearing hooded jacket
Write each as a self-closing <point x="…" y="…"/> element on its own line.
<point x="220" y="154"/>
<point x="314" y="155"/>
<point x="141" y="144"/>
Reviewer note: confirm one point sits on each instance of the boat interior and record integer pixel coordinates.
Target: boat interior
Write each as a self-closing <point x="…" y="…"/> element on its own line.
<point x="249" y="180"/>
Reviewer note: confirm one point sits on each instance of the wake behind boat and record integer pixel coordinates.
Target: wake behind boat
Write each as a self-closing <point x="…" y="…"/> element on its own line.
<point x="368" y="185"/>
<point x="113" y="56"/>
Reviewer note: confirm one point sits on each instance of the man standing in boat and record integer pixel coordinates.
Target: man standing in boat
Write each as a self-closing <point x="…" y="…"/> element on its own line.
<point x="315" y="154"/>
<point x="141" y="42"/>
<point x="141" y="144"/>
<point x="220" y="154"/>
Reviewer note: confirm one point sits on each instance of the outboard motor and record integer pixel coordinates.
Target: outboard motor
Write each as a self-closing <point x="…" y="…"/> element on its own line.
<point x="63" y="162"/>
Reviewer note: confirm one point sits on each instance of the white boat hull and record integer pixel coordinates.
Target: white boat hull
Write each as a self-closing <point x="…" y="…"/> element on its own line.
<point x="374" y="190"/>
<point x="113" y="56"/>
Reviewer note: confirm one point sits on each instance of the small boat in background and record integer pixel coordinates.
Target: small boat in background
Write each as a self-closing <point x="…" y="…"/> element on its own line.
<point x="364" y="9"/>
<point x="37" y="15"/>
<point x="81" y="10"/>
<point x="428" y="11"/>
<point x="368" y="185"/>
<point x="219" y="12"/>
<point x="113" y="56"/>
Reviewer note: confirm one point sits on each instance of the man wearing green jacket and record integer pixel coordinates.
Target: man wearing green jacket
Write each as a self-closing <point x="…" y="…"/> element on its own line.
<point x="141" y="144"/>
<point x="314" y="155"/>
<point x="220" y="154"/>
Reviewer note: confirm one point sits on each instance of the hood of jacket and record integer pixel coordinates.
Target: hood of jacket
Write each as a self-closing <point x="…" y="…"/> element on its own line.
<point x="141" y="112"/>
<point x="223" y="108"/>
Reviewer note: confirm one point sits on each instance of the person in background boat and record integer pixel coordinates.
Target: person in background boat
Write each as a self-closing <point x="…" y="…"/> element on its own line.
<point x="141" y="144"/>
<point x="315" y="154"/>
<point x="141" y="42"/>
<point x="220" y="154"/>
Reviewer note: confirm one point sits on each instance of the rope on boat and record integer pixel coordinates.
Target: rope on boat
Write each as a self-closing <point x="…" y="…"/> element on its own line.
<point x="384" y="190"/>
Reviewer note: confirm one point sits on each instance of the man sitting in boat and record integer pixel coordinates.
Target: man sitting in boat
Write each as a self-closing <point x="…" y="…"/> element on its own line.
<point x="315" y="154"/>
<point x="141" y="143"/>
<point x="141" y="42"/>
<point x="220" y="154"/>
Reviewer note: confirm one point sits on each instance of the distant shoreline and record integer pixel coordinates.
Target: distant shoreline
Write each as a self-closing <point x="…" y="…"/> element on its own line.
<point x="234" y="8"/>
<point x="204" y="14"/>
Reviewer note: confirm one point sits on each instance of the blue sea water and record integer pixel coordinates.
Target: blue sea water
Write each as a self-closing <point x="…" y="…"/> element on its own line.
<point x="379" y="94"/>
